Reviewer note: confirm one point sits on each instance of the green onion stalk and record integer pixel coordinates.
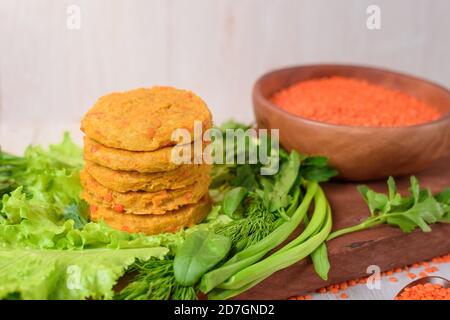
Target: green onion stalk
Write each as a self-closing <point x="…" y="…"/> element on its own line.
<point x="257" y="251"/>
<point x="305" y="244"/>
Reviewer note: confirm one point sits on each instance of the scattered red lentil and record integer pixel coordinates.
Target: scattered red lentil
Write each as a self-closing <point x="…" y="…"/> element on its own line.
<point x="343" y="286"/>
<point x="425" y="291"/>
<point x="352" y="283"/>
<point x="347" y="101"/>
<point x="431" y="269"/>
<point x="411" y="275"/>
<point x="393" y="279"/>
<point x="335" y="288"/>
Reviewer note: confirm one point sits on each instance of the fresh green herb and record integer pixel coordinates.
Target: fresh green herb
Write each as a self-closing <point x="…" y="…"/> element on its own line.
<point x="317" y="169"/>
<point x="255" y="252"/>
<point x="155" y="280"/>
<point x="253" y="274"/>
<point x="233" y="199"/>
<point x="200" y="252"/>
<point x="257" y="224"/>
<point x="320" y="261"/>
<point x="418" y="210"/>
<point x="246" y="176"/>
<point x="253" y="214"/>
<point x="278" y="196"/>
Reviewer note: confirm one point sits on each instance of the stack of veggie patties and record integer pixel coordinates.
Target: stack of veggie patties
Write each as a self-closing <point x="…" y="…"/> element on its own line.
<point x="131" y="179"/>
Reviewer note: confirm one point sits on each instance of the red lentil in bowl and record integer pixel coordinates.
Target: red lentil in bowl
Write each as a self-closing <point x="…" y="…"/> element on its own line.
<point x="364" y="150"/>
<point x="349" y="101"/>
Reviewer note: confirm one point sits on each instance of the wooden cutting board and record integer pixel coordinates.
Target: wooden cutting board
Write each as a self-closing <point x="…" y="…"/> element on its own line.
<point x="350" y="255"/>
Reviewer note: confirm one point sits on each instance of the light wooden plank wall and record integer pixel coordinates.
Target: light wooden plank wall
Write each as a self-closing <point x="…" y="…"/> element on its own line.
<point x="49" y="75"/>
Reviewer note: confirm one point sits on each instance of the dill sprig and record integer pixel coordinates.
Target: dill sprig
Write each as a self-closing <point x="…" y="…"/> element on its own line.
<point x="155" y="280"/>
<point x="257" y="223"/>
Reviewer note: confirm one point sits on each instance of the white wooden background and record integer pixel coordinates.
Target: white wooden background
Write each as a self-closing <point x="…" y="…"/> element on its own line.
<point x="50" y="75"/>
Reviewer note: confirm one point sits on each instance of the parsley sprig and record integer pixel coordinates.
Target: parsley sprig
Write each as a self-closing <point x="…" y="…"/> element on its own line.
<point x="418" y="210"/>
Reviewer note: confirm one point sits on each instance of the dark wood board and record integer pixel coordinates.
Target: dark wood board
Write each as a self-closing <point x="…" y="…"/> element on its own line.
<point x="350" y="255"/>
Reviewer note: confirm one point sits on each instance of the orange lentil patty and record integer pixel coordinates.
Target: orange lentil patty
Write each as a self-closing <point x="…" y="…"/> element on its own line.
<point x="347" y="101"/>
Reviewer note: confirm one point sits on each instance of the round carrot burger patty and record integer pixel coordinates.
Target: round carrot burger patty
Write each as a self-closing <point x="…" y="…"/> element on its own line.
<point x="140" y="202"/>
<point x="145" y="161"/>
<point x="124" y="181"/>
<point x="153" y="224"/>
<point x="144" y="119"/>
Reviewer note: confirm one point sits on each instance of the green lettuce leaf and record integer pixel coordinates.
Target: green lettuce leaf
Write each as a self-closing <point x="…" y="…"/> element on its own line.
<point x="66" y="274"/>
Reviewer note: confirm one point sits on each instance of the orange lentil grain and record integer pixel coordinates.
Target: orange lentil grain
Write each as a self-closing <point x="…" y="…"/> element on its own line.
<point x="352" y="283"/>
<point x="322" y="290"/>
<point x="411" y="275"/>
<point x="344" y="295"/>
<point x="425" y="292"/>
<point x="362" y="281"/>
<point x="349" y="101"/>
<point x="429" y="270"/>
<point x="422" y="274"/>
<point x="434" y="292"/>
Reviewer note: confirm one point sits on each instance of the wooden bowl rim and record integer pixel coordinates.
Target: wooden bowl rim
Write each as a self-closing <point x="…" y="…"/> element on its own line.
<point x="262" y="99"/>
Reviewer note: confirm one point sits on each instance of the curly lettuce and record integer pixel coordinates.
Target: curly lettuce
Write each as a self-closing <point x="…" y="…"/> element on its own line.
<point x="45" y="235"/>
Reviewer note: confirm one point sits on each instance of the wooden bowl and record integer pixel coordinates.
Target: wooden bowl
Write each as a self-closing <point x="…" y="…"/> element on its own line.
<point x="359" y="153"/>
